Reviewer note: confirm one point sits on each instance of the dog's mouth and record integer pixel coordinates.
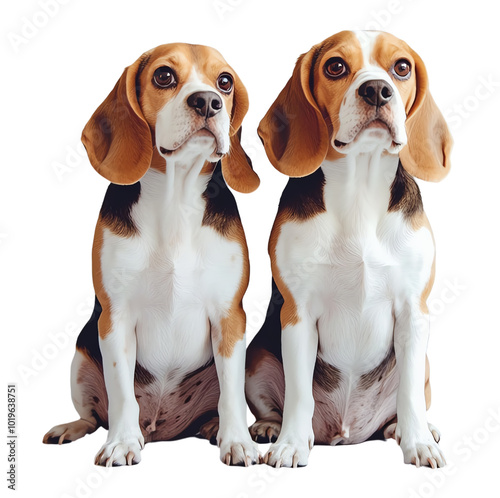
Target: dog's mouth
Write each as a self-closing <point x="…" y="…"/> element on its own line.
<point x="198" y="136"/>
<point x="372" y="124"/>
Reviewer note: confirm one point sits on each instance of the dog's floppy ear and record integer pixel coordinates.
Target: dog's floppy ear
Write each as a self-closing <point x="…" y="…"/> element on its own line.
<point x="293" y="131"/>
<point x="117" y="137"/>
<point x="236" y="165"/>
<point x="427" y="152"/>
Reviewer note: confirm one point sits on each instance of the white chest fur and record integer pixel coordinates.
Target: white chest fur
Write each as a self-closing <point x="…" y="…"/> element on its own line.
<point x="174" y="276"/>
<point x="354" y="265"/>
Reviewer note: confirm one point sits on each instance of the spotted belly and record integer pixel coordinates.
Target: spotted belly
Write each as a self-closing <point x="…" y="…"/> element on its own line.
<point x="180" y="410"/>
<point x="165" y="412"/>
<point x="350" y="408"/>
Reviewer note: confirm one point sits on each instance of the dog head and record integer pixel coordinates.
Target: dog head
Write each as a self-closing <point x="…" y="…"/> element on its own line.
<point x="181" y="99"/>
<point x="354" y="92"/>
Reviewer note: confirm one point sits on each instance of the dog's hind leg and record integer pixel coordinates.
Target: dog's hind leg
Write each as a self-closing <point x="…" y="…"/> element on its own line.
<point x="88" y="391"/>
<point x="265" y="392"/>
<point x="85" y="401"/>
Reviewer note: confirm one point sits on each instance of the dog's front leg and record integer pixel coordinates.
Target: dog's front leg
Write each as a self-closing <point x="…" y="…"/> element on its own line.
<point x="411" y="335"/>
<point x="228" y="341"/>
<point x="299" y="344"/>
<point x="118" y="345"/>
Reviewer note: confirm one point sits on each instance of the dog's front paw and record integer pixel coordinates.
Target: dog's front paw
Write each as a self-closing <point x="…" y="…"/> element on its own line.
<point x="238" y="450"/>
<point x="289" y="452"/>
<point x="420" y="447"/>
<point x="121" y="450"/>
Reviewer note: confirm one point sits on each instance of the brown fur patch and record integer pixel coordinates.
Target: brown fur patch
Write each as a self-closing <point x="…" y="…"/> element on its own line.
<point x="233" y="324"/>
<point x="232" y="330"/>
<point x="289" y="315"/>
<point x="104" y="324"/>
<point x="427" y="290"/>
<point x="418" y="222"/>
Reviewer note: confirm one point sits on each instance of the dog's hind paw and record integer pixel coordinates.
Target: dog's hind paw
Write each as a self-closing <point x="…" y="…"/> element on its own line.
<point x="66" y="433"/>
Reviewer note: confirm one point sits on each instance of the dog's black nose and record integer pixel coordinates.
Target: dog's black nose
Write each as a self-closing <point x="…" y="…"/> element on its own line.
<point x="375" y="92"/>
<point x="206" y="104"/>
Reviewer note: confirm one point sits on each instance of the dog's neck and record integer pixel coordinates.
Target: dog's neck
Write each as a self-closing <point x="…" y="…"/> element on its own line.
<point x="172" y="195"/>
<point x="358" y="187"/>
<point x="184" y="179"/>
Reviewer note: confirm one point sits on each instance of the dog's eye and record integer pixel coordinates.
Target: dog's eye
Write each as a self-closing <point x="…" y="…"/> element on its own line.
<point x="402" y="69"/>
<point x="336" y="68"/>
<point x="225" y="83"/>
<point x="164" y="77"/>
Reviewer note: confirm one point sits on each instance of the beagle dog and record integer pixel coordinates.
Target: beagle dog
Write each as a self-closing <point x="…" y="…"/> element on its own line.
<point x="341" y="357"/>
<point x="163" y="354"/>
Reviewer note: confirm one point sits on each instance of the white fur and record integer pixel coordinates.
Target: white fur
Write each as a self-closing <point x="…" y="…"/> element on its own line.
<point x="356" y="273"/>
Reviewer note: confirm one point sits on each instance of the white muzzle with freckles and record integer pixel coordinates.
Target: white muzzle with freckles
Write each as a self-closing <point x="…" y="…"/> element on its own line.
<point x="368" y="120"/>
<point x="187" y="123"/>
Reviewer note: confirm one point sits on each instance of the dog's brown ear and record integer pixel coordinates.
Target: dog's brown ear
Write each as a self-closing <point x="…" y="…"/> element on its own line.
<point x="117" y="137"/>
<point x="236" y="165"/>
<point x="427" y="152"/>
<point x="293" y="131"/>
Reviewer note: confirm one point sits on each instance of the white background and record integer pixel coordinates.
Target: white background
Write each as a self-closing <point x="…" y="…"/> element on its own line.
<point x="52" y="82"/>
